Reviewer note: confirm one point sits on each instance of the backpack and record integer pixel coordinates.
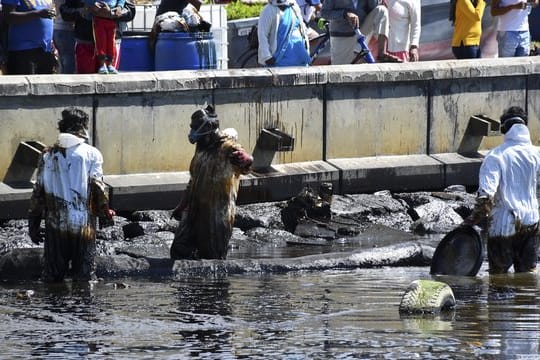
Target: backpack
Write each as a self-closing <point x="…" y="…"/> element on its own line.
<point x="253" y="38"/>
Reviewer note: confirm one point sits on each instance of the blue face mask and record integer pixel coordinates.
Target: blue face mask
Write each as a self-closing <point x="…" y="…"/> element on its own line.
<point x="193" y="137"/>
<point x="196" y="135"/>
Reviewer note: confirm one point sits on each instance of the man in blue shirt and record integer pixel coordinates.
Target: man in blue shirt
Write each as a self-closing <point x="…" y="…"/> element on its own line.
<point x="30" y="30"/>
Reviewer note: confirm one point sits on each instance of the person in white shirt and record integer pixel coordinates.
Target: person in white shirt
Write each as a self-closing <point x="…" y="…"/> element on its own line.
<point x="404" y="35"/>
<point x="507" y="197"/>
<point x="513" y="36"/>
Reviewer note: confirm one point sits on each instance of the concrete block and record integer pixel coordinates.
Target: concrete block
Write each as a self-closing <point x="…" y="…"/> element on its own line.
<point x="499" y="67"/>
<point x="146" y="134"/>
<point x="394" y="173"/>
<point x="438" y="69"/>
<point x="14" y="85"/>
<point x="292" y="76"/>
<point x="284" y="181"/>
<point x="146" y="191"/>
<point x="453" y="102"/>
<point x="404" y="72"/>
<point x="184" y="80"/>
<point x="295" y="110"/>
<point x="125" y="83"/>
<point x="533" y="106"/>
<point x="246" y="78"/>
<point x="60" y="84"/>
<point x="14" y="202"/>
<point x="347" y="74"/>
<point x="376" y="119"/>
<point x="459" y="169"/>
<point x="24" y="164"/>
<point x="32" y="118"/>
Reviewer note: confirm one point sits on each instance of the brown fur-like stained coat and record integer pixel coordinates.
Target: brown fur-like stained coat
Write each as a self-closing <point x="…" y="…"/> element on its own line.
<point x="211" y="200"/>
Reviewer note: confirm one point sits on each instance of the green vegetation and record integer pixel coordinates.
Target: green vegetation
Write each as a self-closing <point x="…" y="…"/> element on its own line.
<point x="238" y="10"/>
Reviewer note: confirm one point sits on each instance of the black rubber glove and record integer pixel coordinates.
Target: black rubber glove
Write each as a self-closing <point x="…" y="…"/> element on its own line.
<point x="34" y="229"/>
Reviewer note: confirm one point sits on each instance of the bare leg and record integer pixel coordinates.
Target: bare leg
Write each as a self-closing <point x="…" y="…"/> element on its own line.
<point x="382" y="48"/>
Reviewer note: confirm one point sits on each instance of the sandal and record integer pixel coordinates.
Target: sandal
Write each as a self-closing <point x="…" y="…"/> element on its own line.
<point x="388" y="58"/>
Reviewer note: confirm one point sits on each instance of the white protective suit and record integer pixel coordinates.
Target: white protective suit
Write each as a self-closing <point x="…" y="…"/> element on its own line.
<point x="69" y="193"/>
<point x="508" y="174"/>
<point x="67" y="178"/>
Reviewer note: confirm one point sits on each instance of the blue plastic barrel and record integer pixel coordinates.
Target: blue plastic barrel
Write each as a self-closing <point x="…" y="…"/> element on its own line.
<point x="135" y="53"/>
<point x="185" y="51"/>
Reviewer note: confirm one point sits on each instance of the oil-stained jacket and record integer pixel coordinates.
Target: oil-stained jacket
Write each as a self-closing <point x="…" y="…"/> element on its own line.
<point x="70" y="195"/>
<point x="508" y="175"/>
<point x="211" y="200"/>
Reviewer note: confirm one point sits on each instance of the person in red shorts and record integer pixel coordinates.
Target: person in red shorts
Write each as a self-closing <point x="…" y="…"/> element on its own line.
<point x="86" y="61"/>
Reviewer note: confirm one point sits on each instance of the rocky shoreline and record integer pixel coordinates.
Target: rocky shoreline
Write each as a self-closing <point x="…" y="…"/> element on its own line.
<point x="365" y="230"/>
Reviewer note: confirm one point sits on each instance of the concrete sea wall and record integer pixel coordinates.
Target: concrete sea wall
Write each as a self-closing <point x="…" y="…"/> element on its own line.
<point x="363" y="127"/>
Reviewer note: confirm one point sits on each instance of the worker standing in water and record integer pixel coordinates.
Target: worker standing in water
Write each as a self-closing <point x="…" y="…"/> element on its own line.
<point x="70" y="195"/>
<point x="210" y="198"/>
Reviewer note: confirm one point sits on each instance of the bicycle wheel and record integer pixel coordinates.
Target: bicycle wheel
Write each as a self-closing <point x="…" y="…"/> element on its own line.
<point x="250" y="60"/>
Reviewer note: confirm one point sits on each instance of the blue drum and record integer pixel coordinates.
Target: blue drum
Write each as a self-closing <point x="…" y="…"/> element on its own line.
<point x="135" y="53"/>
<point x="185" y="51"/>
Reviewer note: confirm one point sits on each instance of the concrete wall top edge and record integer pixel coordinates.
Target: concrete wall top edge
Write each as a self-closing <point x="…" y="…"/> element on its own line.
<point x="14" y="85"/>
<point x="455" y="158"/>
<point x="185" y="80"/>
<point x="155" y="179"/>
<point x="383" y="161"/>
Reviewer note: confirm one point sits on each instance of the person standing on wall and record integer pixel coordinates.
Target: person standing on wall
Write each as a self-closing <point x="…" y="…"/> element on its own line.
<point x="86" y="61"/>
<point x="404" y="29"/>
<point x="466" y="16"/>
<point x="513" y="36"/>
<point x="70" y="195"/>
<point x="345" y="16"/>
<point x="64" y="41"/>
<point x="30" y="48"/>
<point x="105" y="28"/>
<point x="282" y="34"/>
<point x="507" y="197"/>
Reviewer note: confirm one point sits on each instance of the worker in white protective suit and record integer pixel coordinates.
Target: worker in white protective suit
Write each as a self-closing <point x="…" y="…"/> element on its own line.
<point x="507" y="197"/>
<point x="70" y="195"/>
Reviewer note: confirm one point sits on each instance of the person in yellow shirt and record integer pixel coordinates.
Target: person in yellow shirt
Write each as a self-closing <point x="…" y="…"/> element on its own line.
<point x="467" y="19"/>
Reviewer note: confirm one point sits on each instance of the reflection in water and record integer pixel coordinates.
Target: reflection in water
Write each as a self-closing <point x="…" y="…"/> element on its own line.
<point x="204" y="306"/>
<point x="302" y="315"/>
<point x="510" y="301"/>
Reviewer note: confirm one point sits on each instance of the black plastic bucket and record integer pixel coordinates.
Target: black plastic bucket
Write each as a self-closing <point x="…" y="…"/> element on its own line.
<point x="460" y="252"/>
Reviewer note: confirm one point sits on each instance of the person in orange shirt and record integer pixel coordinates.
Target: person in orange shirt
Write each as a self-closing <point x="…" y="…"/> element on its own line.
<point x="467" y="19"/>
